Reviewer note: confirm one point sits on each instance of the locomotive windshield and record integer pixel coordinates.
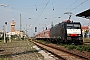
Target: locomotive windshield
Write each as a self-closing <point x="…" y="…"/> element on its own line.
<point x="73" y="26"/>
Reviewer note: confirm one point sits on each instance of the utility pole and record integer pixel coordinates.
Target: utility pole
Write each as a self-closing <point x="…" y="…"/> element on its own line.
<point x="51" y="24"/>
<point x="20" y="26"/>
<point x="5" y="5"/>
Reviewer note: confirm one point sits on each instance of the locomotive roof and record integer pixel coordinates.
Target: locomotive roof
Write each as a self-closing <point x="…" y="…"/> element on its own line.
<point x="66" y="23"/>
<point x="70" y="22"/>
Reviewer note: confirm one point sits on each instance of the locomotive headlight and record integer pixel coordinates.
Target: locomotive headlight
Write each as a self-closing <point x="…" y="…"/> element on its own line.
<point x="79" y="34"/>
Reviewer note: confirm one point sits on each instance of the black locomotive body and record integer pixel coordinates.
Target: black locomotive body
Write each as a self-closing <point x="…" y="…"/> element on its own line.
<point x="67" y="32"/>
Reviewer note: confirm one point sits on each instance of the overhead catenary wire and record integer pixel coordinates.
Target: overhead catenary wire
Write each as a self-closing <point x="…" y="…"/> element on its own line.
<point x="12" y="12"/>
<point x="74" y="7"/>
<point x="79" y="5"/>
<point x="70" y="6"/>
<point x="43" y="10"/>
<point x="65" y="10"/>
<point x="37" y="18"/>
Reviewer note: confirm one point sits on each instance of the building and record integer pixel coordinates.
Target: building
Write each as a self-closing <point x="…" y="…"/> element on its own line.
<point x="84" y="28"/>
<point x="13" y="26"/>
<point x="14" y="31"/>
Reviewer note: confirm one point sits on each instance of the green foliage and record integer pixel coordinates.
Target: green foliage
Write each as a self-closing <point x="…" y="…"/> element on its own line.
<point x="71" y="47"/>
<point x="83" y="48"/>
<point x="14" y="37"/>
<point x="2" y="37"/>
<point x="65" y="46"/>
<point x="86" y="32"/>
<point x="88" y="49"/>
<point x="46" y="42"/>
<point x="78" y="47"/>
<point x="5" y="58"/>
<point x="41" y="41"/>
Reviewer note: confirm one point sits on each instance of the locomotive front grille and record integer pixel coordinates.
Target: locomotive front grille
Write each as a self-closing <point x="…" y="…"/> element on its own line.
<point x="69" y="38"/>
<point x="75" y="38"/>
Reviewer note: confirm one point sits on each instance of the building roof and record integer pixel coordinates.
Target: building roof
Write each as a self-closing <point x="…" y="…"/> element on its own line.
<point x="84" y="14"/>
<point x="85" y="27"/>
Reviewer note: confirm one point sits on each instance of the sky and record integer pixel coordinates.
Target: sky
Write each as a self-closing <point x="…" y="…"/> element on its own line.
<point x="34" y="12"/>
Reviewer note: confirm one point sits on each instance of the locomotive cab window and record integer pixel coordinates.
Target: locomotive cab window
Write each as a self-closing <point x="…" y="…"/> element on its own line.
<point x="73" y="26"/>
<point x="77" y="26"/>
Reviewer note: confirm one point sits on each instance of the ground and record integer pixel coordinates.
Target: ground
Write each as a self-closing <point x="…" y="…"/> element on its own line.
<point x="19" y="50"/>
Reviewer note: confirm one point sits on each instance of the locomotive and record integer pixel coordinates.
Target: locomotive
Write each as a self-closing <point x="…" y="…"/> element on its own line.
<point x="64" y="32"/>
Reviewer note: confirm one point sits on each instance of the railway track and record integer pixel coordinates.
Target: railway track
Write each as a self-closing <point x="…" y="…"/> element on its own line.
<point x="62" y="55"/>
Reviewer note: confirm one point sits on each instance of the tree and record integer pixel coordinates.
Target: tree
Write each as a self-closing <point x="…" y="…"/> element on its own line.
<point x="14" y="36"/>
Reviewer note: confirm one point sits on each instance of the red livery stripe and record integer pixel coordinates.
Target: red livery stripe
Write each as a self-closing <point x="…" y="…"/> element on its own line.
<point x="73" y="34"/>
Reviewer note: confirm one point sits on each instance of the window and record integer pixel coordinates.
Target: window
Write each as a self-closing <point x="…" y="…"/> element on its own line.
<point x="73" y="26"/>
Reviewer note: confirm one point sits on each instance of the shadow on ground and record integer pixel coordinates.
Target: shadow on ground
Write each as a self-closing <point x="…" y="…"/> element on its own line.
<point x="1" y="50"/>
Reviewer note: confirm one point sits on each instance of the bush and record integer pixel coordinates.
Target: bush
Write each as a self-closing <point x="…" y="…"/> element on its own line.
<point x="83" y="48"/>
<point x="71" y="47"/>
<point x="86" y="48"/>
<point x="65" y="46"/>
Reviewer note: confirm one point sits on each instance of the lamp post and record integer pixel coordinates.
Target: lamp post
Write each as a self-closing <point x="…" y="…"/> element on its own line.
<point x="30" y="26"/>
<point x="4" y="5"/>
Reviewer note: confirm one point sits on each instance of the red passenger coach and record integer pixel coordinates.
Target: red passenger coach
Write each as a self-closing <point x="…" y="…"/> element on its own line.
<point x="43" y="35"/>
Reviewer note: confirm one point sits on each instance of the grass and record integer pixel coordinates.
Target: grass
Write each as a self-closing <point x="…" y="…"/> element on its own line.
<point x="20" y="44"/>
<point x="78" y="47"/>
<point x="46" y="42"/>
<point x="5" y="58"/>
<point x="72" y="46"/>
